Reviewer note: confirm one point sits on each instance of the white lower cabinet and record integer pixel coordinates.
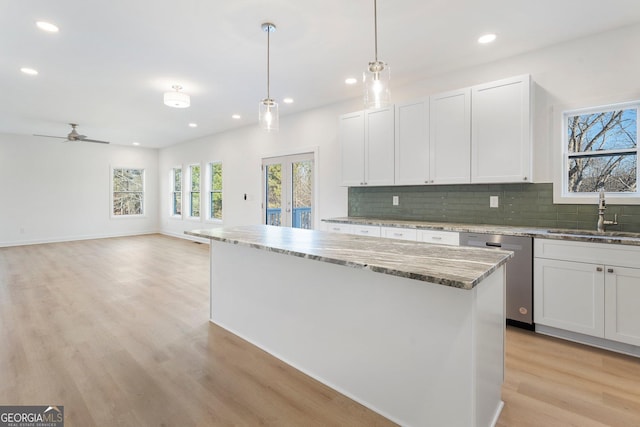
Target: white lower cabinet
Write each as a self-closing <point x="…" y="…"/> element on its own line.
<point x="569" y="295"/>
<point x="588" y="288"/>
<point x="622" y="304"/>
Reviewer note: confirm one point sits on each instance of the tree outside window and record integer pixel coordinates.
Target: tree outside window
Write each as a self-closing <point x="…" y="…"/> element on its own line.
<point x="176" y="193"/>
<point x="215" y="195"/>
<point x="602" y="150"/>
<point x="128" y="192"/>
<point x="194" y="199"/>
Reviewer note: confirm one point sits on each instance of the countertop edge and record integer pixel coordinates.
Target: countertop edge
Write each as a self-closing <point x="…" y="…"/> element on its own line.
<point x="460" y="284"/>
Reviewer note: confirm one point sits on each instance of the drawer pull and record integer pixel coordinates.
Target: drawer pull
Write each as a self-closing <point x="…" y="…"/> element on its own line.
<point x="436" y="238"/>
<point x="364" y="231"/>
<point x="599" y="268"/>
<point x="610" y="270"/>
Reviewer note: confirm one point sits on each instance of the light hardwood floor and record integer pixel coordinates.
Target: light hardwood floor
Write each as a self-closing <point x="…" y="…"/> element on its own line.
<point x="117" y="331"/>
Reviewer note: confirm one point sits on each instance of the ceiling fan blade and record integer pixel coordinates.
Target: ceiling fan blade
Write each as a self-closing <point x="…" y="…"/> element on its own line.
<point x="51" y="136"/>
<point x="93" y="140"/>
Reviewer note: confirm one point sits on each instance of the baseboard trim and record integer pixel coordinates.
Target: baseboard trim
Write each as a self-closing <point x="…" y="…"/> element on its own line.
<point x="73" y="238"/>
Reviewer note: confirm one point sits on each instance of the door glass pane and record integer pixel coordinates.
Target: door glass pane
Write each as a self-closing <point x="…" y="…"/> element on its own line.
<point x="273" y="181"/>
<point x="301" y="185"/>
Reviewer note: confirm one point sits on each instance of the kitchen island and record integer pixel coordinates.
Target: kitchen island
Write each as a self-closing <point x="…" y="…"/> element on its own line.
<point x="411" y="330"/>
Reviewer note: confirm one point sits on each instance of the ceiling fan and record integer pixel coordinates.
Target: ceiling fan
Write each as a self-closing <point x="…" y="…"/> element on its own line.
<point x="75" y="136"/>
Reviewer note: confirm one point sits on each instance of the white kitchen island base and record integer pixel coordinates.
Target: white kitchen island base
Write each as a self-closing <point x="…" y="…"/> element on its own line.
<point x="419" y="353"/>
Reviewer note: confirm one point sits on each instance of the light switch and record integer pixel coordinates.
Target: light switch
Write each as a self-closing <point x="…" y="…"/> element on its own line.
<point x="493" y="201"/>
<point x="396" y="200"/>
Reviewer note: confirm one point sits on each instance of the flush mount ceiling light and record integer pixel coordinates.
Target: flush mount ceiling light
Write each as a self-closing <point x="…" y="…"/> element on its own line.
<point x="47" y="26"/>
<point x="268" y="108"/>
<point x="486" y="38"/>
<point x="177" y="99"/>
<point x="376" y="77"/>
<point x="193" y="125"/>
<point x="29" y="71"/>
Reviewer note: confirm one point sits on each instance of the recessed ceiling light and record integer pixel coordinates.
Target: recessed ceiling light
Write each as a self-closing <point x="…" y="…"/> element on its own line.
<point x="136" y="143"/>
<point x="288" y="100"/>
<point x="29" y="71"/>
<point x="351" y="81"/>
<point x="193" y="125"/>
<point x="487" y="38"/>
<point x="236" y="116"/>
<point x="47" y="26"/>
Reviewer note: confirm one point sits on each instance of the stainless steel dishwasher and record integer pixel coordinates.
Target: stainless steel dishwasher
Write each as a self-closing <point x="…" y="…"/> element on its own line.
<point x="519" y="272"/>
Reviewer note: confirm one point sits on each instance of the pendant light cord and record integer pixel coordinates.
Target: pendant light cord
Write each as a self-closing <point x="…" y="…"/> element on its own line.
<point x="375" y="26"/>
<point x="268" y="54"/>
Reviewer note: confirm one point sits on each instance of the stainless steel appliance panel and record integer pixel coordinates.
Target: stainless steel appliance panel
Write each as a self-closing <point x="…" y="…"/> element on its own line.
<point x="519" y="271"/>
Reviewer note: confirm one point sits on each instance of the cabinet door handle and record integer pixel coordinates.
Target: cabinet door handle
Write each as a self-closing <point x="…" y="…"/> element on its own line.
<point x="609" y="270"/>
<point x="599" y="269"/>
<point x="436" y="238"/>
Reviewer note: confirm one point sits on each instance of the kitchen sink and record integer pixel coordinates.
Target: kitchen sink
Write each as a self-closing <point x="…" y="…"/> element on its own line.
<point x="594" y="233"/>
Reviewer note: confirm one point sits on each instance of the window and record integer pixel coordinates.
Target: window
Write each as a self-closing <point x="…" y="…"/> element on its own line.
<point x="128" y="192"/>
<point x="194" y="193"/>
<point x="601" y="150"/>
<point x="215" y="191"/>
<point x="176" y="191"/>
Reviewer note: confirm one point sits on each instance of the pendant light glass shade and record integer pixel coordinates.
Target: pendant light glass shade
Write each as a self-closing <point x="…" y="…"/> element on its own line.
<point x="177" y="99"/>
<point x="376" y="85"/>
<point x="268" y="117"/>
<point x="377" y="76"/>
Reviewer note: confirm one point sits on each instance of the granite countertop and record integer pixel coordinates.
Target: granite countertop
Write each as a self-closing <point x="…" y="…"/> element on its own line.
<point x="621" y="238"/>
<point x="459" y="267"/>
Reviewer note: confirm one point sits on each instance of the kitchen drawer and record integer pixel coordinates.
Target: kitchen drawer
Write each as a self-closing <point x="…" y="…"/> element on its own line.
<point x="338" y="228"/>
<point x="594" y="253"/>
<point x="366" y="230"/>
<point x="439" y="237"/>
<point x="400" y="233"/>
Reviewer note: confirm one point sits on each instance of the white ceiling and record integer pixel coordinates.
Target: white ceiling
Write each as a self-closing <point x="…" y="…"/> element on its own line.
<point x="112" y="60"/>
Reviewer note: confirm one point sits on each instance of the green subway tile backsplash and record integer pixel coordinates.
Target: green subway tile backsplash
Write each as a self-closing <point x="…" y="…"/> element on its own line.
<point x="519" y="205"/>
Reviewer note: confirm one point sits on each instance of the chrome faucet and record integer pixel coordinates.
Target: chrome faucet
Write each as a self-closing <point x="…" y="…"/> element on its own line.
<point x="602" y="205"/>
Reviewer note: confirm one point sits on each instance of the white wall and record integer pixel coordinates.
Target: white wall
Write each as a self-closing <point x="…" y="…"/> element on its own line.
<point x="595" y="70"/>
<point x="57" y="191"/>
<point x="241" y="152"/>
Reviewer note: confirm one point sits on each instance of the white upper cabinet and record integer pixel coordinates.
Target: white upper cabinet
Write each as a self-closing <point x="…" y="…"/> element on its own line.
<point x="367" y="147"/>
<point x="450" y="140"/>
<point x="412" y="143"/>
<point x="379" y="146"/>
<point x="351" y="135"/>
<point x="501" y="131"/>
<point x="473" y="135"/>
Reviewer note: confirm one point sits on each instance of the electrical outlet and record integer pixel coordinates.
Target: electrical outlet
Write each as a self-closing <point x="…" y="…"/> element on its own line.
<point x="396" y="200"/>
<point x="493" y="202"/>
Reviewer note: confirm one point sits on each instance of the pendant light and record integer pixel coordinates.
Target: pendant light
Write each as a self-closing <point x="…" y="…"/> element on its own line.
<point x="376" y="77"/>
<point x="176" y="99"/>
<point x="268" y="108"/>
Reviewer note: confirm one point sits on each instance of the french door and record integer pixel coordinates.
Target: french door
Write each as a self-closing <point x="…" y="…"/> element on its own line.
<point x="288" y="190"/>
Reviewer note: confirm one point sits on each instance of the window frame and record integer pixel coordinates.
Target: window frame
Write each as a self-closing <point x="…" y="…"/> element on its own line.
<point x="210" y="191"/>
<point x="172" y="192"/>
<point x="561" y="195"/>
<point x="112" y="170"/>
<point x="189" y="204"/>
